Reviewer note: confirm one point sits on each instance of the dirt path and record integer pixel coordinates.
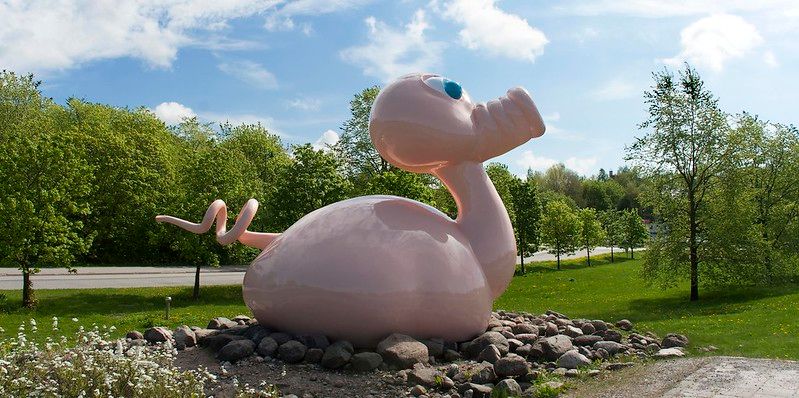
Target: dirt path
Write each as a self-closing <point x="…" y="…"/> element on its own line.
<point x="699" y="377"/>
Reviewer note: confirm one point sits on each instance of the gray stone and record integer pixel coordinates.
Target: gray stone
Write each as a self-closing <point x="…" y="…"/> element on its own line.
<point x="451" y="355"/>
<point x="217" y="341"/>
<point x="551" y="329"/>
<point x="555" y="346"/>
<point x="134" y="335"/>
<point x="480" y="343"/>
<point x="291" y="351"/>
<point x="184" y="337"/>
<point x="256" y="333"/>
<point x="490" y="354"/>
<point x="572" y="331"/>
<point x="365" y="361"/>
<point x="241" y="318"/>
<point x="524" y="328"/>
<point x="611" y="335"/>
<point x="480" y="373"/>
<point x="202" y="334"/>
<point x="572" y="373"/>
<point x="221" y="323"/>
<point x="599" y="325"/>
<point x="267" y="347"/>
<point x="313" y="340"/>
<point x="157" y="335"/>
<point x="624" y="324"/>
<point x="511" y="365"/>
<point x="524" y="350"/>
<point x="588" y="328"/>
<point x="527" y="338"/>
<point x="508" y="387"/>
<point x="673" y="352"/>
<point x="401" y="352"/>
<point x="313" y="355"/>
<point x="674" y="340"/>
<point x="281" y="338"/>
<point x="427" y="377"/>
<point x="477" y="390"/>
<point x="572" y="360"/>
<point x="611" y="347"/>
<point x="586" y="339"/>
<point x="435" y="347"/>
<point x="337" y="355"/>
<point x="236" y="350"/>
<point x="418" y="390"/>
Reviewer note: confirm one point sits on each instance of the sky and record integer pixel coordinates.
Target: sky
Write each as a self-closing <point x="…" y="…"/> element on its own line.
<point x="294" y="65"/>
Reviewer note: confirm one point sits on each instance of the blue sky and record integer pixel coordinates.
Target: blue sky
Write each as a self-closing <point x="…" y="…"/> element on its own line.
<point x="294" y="65"/>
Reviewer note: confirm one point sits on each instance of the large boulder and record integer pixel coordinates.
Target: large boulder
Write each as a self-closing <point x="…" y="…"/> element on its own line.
<point x="157" y="335"/>
<point x="337" y="355"/>
<point x="184" y="337"/>
<point x="236" y="350"/>
<point x="572" y="360"/>
<point x="267" y="347"/>
<point x="511" y="366"/>
<point x="673" y="352"/>
<point x="490" y="354"/>
<point x="364" y="361"/>
<point x="216" y="342"/>
<point x="400" y="351"/>
<point x="291" y="351"/>
<point x="555" y="346"/>
<point x="507" y="388"/>
<point x="611" y="347"/>
<point x="674" y="340"/>
<point x="476" y="346"/>
<point x="425" y="376"/>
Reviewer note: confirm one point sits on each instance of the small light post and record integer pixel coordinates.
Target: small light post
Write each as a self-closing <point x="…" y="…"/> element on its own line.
<point x="168" y="302"/>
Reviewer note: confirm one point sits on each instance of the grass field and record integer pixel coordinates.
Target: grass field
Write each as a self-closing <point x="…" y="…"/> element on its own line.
<point x="745" y="321"/>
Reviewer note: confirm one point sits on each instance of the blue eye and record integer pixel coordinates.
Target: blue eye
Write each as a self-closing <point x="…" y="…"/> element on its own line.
<point x="446" y="86"/>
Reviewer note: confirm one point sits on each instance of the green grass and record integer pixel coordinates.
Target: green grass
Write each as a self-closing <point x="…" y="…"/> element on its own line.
<point x="745" y="321"/>
<point x="741" y="321"/>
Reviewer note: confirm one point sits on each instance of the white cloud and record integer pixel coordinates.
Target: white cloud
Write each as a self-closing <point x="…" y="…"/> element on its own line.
<point x="672" y="8"/>
<point x="583" y="166"/>
<point x="552" y="117"/>
<point x="282" y="17"/>
<point x="770" y="59"/>
<point x="614" y="89"/>
<point x="488" y="28"/>
<point x="304" y="103"/>
<point x="173" y="112"/>
<point x="41" y="36"/>
<point x="711" y="41"/>
<point x="327" y="139"/>
<point x="250" y="72"/>
<point x="394" y="52"/>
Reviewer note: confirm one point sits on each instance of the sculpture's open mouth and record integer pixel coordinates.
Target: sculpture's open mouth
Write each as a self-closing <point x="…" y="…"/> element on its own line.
<point x="505" y="123"/>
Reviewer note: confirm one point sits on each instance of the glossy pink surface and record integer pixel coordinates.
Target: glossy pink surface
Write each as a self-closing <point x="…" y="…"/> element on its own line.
<point x="364" y="268"/>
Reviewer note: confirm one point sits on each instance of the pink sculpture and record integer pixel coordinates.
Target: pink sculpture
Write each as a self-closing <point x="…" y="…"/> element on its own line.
<point x="366" y="267"/>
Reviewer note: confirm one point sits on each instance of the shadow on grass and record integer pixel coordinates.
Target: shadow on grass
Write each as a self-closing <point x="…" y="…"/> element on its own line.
<point x="578" y="263"/>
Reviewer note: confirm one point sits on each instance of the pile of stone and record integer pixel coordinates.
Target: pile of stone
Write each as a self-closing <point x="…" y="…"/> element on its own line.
<point x="516" y="350"/>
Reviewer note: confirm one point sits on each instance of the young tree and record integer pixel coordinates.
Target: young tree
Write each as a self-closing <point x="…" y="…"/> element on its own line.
<point x="355" y="146"/>
<point x="560" y="229"/>
<point x="591" y="232"/>
<point x="46" y="183"/>
<point x="633" y="231"/>
<point x="611" y="225"/>
<point x="527" y="212"/>
<point x="681" y="155"/>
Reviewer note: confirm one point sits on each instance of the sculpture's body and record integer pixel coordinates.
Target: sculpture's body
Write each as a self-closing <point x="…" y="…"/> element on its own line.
<point x="366" y="267"/>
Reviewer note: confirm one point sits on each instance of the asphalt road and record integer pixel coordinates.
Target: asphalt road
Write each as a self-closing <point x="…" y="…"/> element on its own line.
<point x="102" y="277"/>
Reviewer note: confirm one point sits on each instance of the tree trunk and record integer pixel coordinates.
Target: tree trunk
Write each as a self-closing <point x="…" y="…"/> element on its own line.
<point x="693" y="248"/>
<point x="558" y="255"/>
<point x="196" y="294"/>
<point x="632" y="253"/>
<point x="588" y="253"/>
<point x="611" y="253"/>
<point x="28" y="298"/>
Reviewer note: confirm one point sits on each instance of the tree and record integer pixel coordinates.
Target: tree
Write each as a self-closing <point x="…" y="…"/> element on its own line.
<point x="562" y="180"/>
<point x="46" y="183"/>
<point x="591" y="232"/>
<point x="633" y="231"/>
<point x="503" y="181"/>
<point x="611" y="225"/>
<point x="355" y="145"/>
<point x="560" y="229"/>
<point x="527" y="211"/>
<point x="601" y="194"/>
<point x="680" y="155"/>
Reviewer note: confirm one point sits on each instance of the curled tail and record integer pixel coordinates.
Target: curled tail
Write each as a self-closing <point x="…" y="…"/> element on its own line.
<point x="218" y="210"/>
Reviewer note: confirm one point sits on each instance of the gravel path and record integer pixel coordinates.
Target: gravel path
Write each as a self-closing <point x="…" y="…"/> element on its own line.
<point x="699" y="377"/>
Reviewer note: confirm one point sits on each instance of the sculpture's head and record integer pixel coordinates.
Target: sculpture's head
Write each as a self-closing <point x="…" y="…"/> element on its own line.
<point x="423" y="121"/>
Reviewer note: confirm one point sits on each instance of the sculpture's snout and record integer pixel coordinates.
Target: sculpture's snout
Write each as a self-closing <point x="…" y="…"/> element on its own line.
<point x="505" y="123"/>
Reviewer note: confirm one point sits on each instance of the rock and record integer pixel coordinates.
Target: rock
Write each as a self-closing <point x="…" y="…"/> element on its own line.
<point x="435" y="347"/>
<point x="281" y="338"/>
<point x="401" y="352"/>
<point x="241" y="318"/>
<point x="527" y="338"/>
<point x="586" y="339"/>
<point x="480" y="343"/>
<point x="236" y="350"/>
<point x="313" y="355"/>
<point x="524" y="328"/>
<point x="313" y="341"/>
<point x="601" y="354"/>
<point x="511" y="365"/>
<point x="479" y="373"/>
<point x="624" y="324"/>
<point x="588" y="328"/>
<point x="553" y="385"/>
<point x="425" y="376"/>
<point x="418" y="390"/>
<point x="477" y="390"/>
<point x="291" y="351"/>
<point x="184" y="337"/>
<point x="599" y="325"/>
<point x="267" y="347"/>
<point x="555" y="346"/>
<point x="612" y="335"/>
<point x="551" y="329"/>
<point x="572" y="373"/>
<point x="202" y="334"/>
<point x="451" y="355"/>
<point x="157" y="335"/>
<point x="572" y="331"/>
<point x="507" y="388"/>
<point x="256" y="333"/>
<point x="365" y="361"/>
<point x="593" y="373"/>
<point x="221" y="323"/>
<point x="674" y="340"/>
<point x="217" y="341"/>
<point x="490" y="354"/>
<point x="514" y="344"/>
<point x="611" y="347"/>
<point x="134" y="335"/>
<point x="559" y="372"/>
<point x="524" y="350"/>
<point x="337" y="355"/>
<point x="669" y="353"/>
<point x="572" y="360"/>
<point x="586" y="352"/>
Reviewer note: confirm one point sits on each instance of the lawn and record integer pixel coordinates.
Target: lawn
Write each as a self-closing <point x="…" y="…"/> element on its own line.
<point x="746" y="321"/>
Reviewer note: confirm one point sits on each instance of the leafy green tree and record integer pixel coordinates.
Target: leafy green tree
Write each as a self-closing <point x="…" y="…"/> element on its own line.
<point x="681" y="155"/>
<point x="355" y="146"/>
<point x="561" y="180"/>
<point x="46" y="183"/>
<point x="611" y="225"/>
<point x="602" y="194"/>
<point x="591" y="232"/>
<point x="560" y="229"/>
<point x="503" y="181"/>
<point x="527" y="211"/>
<point x="633" y="231"/>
